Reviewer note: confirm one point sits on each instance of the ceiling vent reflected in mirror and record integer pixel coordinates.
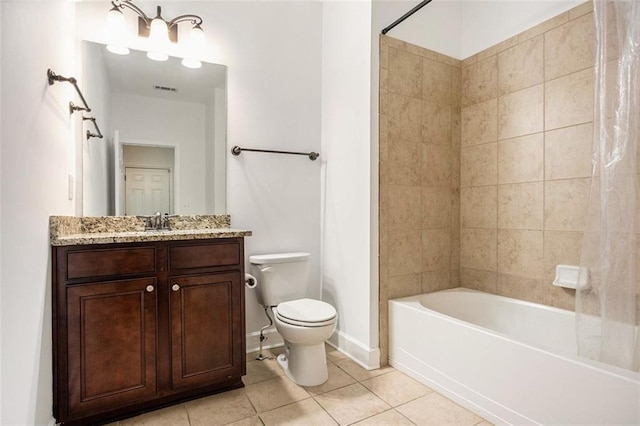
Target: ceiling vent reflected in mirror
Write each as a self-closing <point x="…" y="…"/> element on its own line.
<point x="157" y="30"/>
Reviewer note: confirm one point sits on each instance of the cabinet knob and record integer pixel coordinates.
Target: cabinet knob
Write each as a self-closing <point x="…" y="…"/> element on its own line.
<point x="150" y="288"/>
<point x="175" y="287"/>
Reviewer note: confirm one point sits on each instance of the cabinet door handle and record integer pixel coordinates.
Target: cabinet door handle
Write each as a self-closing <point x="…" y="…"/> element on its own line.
<point x="175" y="287"/>
<point x="150" y="288"/>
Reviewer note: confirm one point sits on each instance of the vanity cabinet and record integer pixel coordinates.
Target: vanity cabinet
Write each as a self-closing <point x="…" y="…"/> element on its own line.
<point x="137" y="326"/>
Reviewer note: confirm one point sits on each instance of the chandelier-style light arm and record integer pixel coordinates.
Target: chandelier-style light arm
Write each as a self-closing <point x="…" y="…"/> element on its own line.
<point x="121" y="4"/>
<point x="194" y="19"/>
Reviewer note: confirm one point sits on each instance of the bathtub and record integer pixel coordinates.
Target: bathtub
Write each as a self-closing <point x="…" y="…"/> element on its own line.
<point x="510" y="361"/>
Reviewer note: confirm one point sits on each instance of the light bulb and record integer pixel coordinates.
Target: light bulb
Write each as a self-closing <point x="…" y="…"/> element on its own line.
<point x="158" y="40"/>
<point x="116" y="31"/>
<point x="196" y="37"/>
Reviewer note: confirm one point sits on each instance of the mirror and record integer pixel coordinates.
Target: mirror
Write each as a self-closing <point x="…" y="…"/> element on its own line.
<point x="164" y="127"/>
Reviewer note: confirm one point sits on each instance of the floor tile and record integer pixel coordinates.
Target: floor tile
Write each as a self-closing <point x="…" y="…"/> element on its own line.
<point x="170" y="416"/>
<point x="435" y="409"/>
<point x="351" y="403"/>
<point x="337" y="379"/>
<point x="359" y="373"/>
<point x="388" y="418"/>
<point x="484" y="423"/>
<point x="396" y="388"/>
<point x="220" y="409"/>
<point x="274" y="393"/>
<point x="249" y="421"/>
<point x="333" y="355"/>
<point x="305" y="412"/>
<point x="259" y="371"/>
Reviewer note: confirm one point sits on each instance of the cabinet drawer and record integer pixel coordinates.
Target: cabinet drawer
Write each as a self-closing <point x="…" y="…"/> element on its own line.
<point x="204" y="255"/>
<point x="111" y="262"/>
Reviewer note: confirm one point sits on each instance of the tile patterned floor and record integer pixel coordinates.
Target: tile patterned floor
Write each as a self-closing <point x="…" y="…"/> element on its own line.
<point x="351" y="396"/>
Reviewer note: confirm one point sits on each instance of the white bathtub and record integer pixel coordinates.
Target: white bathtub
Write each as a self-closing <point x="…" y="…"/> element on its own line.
<point x="510" y="361"/>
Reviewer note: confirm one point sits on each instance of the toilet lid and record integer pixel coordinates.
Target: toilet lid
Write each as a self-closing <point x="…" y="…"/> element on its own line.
<point x="306" y="310"/>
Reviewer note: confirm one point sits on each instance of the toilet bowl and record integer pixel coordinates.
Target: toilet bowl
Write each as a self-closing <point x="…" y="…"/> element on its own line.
<point x="303" y="323"/>
<point x="304" y="360"/>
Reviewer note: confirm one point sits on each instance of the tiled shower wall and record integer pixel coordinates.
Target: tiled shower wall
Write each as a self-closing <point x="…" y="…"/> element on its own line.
<point x="485" y="164"/>
<point x="527" y="111"/>
<point x="419" y="173"/>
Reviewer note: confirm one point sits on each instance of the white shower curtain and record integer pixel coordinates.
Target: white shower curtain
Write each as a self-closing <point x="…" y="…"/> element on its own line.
<point x="606" y="303"/>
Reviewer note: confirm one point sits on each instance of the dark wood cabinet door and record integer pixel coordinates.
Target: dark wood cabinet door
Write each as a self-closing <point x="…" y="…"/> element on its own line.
<point x="206" y="328"/>
<point x="111" y="344"/>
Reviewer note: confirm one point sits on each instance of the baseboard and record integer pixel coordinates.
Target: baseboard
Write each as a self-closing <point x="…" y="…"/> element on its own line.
<point x="273" y="340"/>
<point x="368" y="358"/>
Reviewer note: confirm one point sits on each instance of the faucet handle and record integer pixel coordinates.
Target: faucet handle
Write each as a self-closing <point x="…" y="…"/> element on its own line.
<point x="148" y="221"/>
<point x="166" y="224"/>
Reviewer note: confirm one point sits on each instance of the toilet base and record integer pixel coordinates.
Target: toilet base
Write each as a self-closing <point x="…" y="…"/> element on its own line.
<point x="305" y="365"/>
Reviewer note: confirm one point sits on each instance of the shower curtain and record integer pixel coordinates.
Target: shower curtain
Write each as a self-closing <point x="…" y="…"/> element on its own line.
<point x="606" y="296"/>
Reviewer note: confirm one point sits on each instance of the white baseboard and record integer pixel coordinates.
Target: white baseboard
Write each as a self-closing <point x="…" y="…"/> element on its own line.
<point x="368" y="358"/>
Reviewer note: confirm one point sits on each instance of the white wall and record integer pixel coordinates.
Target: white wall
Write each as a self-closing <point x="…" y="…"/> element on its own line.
<point x="37" y="154"/>
<point x="179" y="123"/>
<point x="95" y="153"/>
<point x="346" y="182"/>
<point x="485" y="23"/>
<point x="436" y="26"/>
<point x="273" y="54"/>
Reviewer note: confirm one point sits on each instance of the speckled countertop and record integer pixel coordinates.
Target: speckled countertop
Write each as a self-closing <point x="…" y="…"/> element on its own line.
<point x="71" y="230"/>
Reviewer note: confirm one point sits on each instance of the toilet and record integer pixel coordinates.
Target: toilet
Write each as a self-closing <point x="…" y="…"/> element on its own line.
<point x="303" y="323"/>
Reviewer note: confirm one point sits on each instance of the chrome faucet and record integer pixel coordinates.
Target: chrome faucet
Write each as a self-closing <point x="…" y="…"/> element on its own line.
<point x="157" y="222"/>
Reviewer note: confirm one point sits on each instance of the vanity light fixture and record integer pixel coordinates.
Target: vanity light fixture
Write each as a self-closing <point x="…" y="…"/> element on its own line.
<point x="159" y="31"/>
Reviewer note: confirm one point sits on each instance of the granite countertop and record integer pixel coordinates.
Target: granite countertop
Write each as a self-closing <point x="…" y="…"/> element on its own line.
<point x="70" y="230"/>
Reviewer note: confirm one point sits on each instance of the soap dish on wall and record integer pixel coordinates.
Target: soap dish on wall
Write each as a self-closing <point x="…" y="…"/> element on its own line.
<point x="567" y="276"/>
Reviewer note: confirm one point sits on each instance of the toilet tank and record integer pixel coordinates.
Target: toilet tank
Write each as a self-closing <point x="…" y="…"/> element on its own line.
<point x="281" y="277"/>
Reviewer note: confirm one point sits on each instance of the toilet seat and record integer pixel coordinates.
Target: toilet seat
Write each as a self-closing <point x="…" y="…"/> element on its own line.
<point x="306" y="313"/>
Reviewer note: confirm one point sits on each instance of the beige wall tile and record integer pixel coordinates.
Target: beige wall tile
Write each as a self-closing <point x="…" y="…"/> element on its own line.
<point x="394" y="42"/>
<point x="521" y="159"/>
<point x="469" y="61"/>
<point x="436" y="123"/>
<point x="520" y="253"/>
<point x="478" y="249"/>
<point x="404" y="166"/>
<point x="497" y="48"/>
<point x="405" y="252"/>
<point x="421" y="51"/>
<point x="436" y="165"/>
<point x="479" y="123"/>
<point x="521" y="113"/>
<point x="436" y="281"/>
<point x="523" y="288"/>
<point x="478" y="207"/>
<point x="436" y="249"/>
<point x="477" y="279"/>
<point x="559" y="297"/>
<point x="480" y="81"/>
<point x="436" y="208"/>
<point x="384" y="54"/>
<point x="383" y="139"/>
<point x="405" y="118"/>
<point x="580" y="10"/>
<point x="405" y="73"/>
<point x="560" y="248"/>
<point x="521" y="66"/>
<point x="404" y="285"/>
<point x="478" y="165"/>
<point x="436" y="82"/>
<point x="384" y="80"/>
<point x="568" y="152"/>
<point x="543" y="27"/>
<point x="566" y="204"/>
<point x="405" y="211"/>
<point x="383" y="103"/>
<point x="521" y="205"/>
<point x="569" y="47"/>
<point x="569" y="100"/>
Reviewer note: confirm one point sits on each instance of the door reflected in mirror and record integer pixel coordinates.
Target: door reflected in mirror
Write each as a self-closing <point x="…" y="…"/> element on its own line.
<point x="165" y="135"/>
